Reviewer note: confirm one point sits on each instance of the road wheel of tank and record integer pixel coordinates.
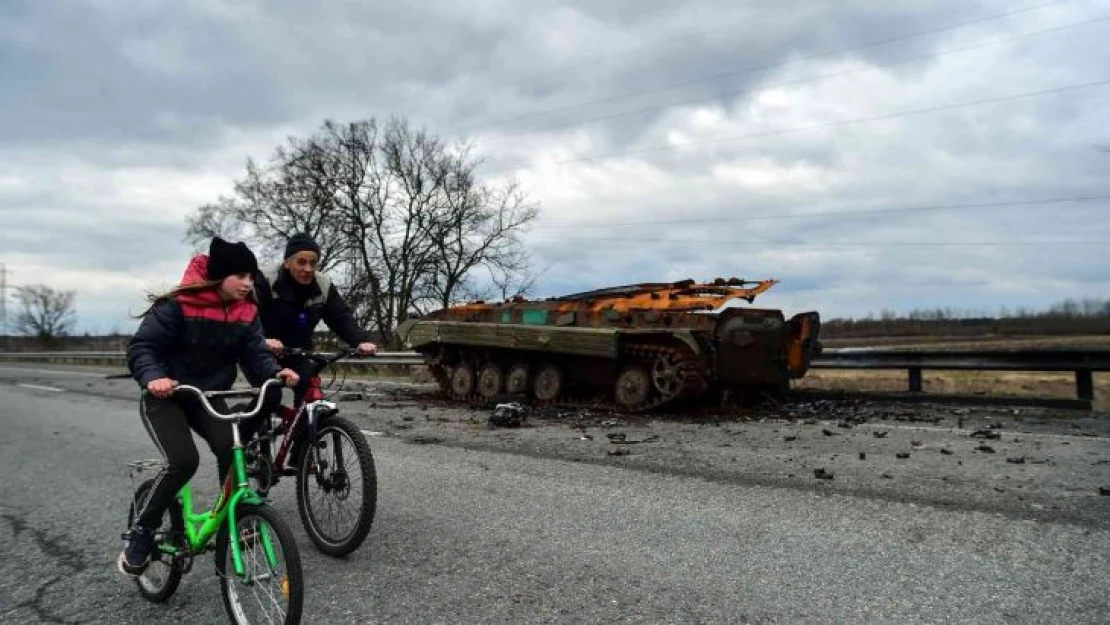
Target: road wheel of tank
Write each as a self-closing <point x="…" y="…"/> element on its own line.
<point x="516" y="382"/>
<point x="462" y="381"/>
<point x="548" y="384"/>
<point x="667" y="374"/>
<point x="490" y="381"/>
<point x="632" y="387"/>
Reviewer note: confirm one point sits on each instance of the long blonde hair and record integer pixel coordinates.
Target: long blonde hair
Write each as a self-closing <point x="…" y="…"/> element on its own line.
<point x="192" y="287"/>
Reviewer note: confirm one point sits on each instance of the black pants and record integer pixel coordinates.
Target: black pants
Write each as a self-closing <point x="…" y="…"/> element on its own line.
<point x="305" y="369"/>
<point x="170" y="423"/>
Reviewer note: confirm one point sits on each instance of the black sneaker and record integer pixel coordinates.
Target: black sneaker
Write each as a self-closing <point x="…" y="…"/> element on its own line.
<point x="136" y="553"/>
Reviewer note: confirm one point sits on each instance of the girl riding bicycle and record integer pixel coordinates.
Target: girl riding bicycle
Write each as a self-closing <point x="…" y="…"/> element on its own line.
<point x="195" y="334"/>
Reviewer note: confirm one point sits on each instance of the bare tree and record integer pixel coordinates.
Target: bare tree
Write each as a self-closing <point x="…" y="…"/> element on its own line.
<point x="403" y="222"/>
<point x="289" y="195"/>
<point x="46" y="314"/>
<point x="478" y="226"/>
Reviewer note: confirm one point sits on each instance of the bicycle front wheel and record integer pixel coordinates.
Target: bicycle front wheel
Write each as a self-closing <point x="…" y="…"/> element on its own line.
<point x="271" y="588"/>
<point x="337" y="487"/>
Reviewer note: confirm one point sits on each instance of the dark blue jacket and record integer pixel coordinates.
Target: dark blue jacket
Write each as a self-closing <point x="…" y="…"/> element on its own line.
<point x="197" y="339"/>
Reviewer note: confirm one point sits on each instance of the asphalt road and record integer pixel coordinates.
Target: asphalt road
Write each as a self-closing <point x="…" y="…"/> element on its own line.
<point x="473" y="533"/>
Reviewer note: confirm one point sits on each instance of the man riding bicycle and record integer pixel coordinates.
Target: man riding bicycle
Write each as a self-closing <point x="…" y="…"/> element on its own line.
<point x="293" y="299"/>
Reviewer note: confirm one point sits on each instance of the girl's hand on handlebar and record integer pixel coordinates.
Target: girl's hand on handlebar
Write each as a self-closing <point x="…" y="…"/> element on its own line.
<point x="276" y="346"/>
<point x="288" y="376"/>
<point x="366" y="348"/>
<point x="162" y="387"/>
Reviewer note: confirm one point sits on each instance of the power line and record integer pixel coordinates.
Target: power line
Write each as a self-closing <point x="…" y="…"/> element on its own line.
<point x="812" y="79"/>
<point x="838" y="244"/>
<point x="832" y="124"/>
<point x="759" y="68"/>
<point x="846" y="213"/>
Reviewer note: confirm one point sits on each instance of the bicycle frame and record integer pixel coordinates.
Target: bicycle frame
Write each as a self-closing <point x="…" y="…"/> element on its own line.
<point x="291" y="418"/>
<point x="201" y="527"/>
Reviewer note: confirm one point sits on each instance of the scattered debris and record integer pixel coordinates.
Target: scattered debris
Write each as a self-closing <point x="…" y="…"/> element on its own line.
<point x="887" y="476"/>
<point x="1016" y="460"/>
<point x="862" y="456"/>
<point x="902" y="455"/>
<point x="987" y="449"/>
<point x="987" y="434"/>
<point x="507" y="415"/>
<point x="917" y="445"/>
<point x="620" y="438"/>
<point x="945" y="451"/>
<point x="621" y="451"/>
<point x="828" y="432"/>
<point x="822" y="474"/>
<point x="880" y="433"/>
<point x="790" y="438"/>
<point x="424" y="440"/>
<point x="1104" y="491"/>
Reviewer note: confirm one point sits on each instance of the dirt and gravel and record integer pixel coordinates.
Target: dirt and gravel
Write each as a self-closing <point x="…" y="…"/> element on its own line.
<point x="1030" y="462"/>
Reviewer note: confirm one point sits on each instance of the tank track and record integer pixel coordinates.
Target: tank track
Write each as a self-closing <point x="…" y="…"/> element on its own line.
<point x="695" y="380"/>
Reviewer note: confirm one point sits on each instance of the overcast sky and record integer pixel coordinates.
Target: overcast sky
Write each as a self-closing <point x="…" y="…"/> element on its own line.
<point x="736" y="122"/>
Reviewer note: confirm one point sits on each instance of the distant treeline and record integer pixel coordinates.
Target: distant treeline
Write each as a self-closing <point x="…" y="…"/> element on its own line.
<point x="1069" y="317"/>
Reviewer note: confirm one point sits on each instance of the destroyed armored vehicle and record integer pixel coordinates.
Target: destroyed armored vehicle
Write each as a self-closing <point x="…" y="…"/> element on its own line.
<point x="643" y="345"/>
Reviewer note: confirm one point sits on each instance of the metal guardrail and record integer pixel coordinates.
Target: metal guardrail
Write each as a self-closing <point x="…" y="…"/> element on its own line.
<point x="1082" y="362"/>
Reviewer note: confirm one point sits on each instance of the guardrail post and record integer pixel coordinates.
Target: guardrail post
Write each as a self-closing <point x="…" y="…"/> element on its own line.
<point x="1085" y="384"/>
<point x="915" y="379"/>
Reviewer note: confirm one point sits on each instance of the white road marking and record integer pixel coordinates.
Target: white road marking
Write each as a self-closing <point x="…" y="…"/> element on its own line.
<point x="372" y="433"/>
<point x="54" y="372"/>
<point x="41" y="388"/>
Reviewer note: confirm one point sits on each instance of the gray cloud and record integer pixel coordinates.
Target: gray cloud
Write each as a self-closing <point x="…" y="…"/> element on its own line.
<point x="120" y="119"/>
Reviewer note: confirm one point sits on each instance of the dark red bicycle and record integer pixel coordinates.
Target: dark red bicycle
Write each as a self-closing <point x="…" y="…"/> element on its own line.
<point x="337" y="486"/>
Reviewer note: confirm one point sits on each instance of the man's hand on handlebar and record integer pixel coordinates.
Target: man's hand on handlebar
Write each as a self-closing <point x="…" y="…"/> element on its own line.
<point x="276" y="346"/>
<point x="288" y="376"/>
<point x="366" y="349"/>
<point x="162" y="387"/>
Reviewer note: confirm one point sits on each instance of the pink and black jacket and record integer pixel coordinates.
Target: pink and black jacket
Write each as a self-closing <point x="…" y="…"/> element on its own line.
<point x="197" y="339"/>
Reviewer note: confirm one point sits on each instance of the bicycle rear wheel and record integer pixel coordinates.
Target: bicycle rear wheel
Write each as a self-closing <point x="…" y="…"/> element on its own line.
<point x="163" y="575"/>
<point x="271" y="589"/>
<point x="337" y="487"/>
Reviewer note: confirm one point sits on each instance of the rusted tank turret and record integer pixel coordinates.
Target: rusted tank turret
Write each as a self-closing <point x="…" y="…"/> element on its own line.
<point x="643" y="344"/>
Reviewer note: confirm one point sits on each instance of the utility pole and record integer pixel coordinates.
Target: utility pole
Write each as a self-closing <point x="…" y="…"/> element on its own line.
<point x="3" y="299"/>
<point x="4" y="339"/>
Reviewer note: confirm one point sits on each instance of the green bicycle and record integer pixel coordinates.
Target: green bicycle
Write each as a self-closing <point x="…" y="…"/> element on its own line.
<point x="257" y="559"/>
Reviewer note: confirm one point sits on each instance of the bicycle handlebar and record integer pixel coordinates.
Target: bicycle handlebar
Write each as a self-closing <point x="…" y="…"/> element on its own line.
<point x="323" y="357"/>
<point x="204" y="395"/>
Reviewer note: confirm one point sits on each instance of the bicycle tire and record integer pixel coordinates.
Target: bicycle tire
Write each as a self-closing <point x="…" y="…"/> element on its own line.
<point x="339" y="546"/>
<point x="292" y="584"/>
<point x="151" y="590"/>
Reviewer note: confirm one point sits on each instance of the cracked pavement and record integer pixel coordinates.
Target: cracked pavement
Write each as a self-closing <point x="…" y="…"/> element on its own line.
<point x="598" y="517"/>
